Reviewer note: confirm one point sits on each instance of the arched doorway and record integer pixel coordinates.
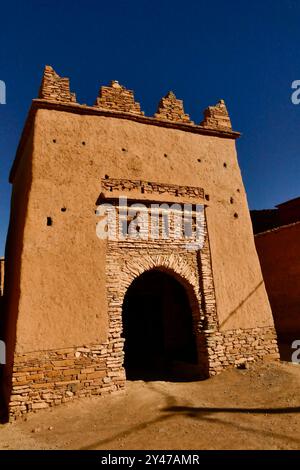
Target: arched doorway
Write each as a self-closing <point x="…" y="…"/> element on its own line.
<point x="158" y="329"/>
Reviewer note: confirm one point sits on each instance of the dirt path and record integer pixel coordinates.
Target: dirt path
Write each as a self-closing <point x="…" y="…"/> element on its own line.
<point x="257" y="408"/>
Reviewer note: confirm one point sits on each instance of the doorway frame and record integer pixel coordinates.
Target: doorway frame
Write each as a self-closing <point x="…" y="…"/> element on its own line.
<point x="191" y="269"/>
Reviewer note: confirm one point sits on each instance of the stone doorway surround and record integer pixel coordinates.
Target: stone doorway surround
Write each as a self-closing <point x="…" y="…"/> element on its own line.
<point x="127" y="259"/>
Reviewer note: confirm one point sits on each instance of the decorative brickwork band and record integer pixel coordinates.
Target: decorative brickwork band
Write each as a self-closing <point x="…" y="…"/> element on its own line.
<point x="146" y="187"/>
<point x="115" y="97"/>
<point x="217" y="117"/>
<point x="171" y="108"/>
<point x="55" y="88"/>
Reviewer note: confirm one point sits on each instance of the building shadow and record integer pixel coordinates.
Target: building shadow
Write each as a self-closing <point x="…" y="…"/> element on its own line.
<point x="206" y="414"/>
<point x="234" y="311"/>
<point x="197" y="411"/>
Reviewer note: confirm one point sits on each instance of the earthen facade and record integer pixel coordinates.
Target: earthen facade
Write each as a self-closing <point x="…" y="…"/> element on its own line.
<point x="65" y="287"/>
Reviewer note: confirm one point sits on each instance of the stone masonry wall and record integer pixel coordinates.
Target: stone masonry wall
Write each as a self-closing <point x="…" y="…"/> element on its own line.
<point x="116" y="98"/>
<point x="171" y="108"/>
<point x="238" y="347"/>
<point x="55" y="88"/>
<point x="45" y="379"/>
<point x="217" y="117"/>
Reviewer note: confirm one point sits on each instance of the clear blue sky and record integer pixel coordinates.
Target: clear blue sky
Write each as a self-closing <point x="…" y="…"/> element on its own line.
<point x="246" y="52"/>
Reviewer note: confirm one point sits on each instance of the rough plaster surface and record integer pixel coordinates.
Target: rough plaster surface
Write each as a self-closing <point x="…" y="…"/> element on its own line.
<point x="63" y="296"/>
<point x="279" y="253"/>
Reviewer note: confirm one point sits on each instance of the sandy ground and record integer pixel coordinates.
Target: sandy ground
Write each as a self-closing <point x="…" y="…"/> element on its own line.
<point x="258" y="408"/>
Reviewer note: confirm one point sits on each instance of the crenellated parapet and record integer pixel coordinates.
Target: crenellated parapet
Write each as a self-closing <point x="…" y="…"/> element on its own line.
<point x="55" y="88"/>
<point x="171" y="109"/>
<point x="116" y="97"/>
<point x="217" y="117"/>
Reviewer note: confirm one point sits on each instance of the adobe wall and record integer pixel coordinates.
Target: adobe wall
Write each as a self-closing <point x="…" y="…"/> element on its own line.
<point x="68" y="173"/>
<point x="279" y="254"/>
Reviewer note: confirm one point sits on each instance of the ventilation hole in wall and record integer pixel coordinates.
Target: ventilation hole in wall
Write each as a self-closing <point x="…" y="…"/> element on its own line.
<point x="49" y="221"/>
<point x="231" y="200"/>
<point x="176" y="192"/>
<point x="111" y="189"/>
<point x="124" y="149"/>
<point x="63" y="209"/>
<point x="83" y="143"/>
<point x="207" y="197"/>
<point x="199" y="160"/>
<point x="142" y="190"/>
<point x="225" y="165"/>
<point x="54" y="141"/>
<point x="138" y="228"/>
<point x="106" y="177"/>
<point x="236" y="215"/>
<point x="237" y="190"/>
<point x="166" y="155"/>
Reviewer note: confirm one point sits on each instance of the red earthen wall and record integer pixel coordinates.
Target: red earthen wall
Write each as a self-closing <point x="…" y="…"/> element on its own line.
<point x="279" y="254"/>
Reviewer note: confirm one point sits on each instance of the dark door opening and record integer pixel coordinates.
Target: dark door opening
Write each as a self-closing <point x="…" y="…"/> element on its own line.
<point x="158" y="329"/>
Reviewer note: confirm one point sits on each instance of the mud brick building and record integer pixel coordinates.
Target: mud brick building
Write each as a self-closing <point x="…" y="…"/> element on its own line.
<point x="84" y="313"/>
<point x="277" y="242"/>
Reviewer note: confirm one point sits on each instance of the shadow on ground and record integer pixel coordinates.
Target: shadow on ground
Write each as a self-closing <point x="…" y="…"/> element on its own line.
<point x="172" y="409"/>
